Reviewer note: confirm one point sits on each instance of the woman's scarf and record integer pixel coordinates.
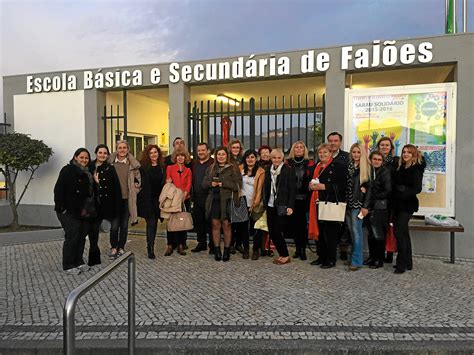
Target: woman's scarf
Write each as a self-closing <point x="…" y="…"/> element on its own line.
<point x="85" y="170"/>
<point x="313" y="230"/>
<point x="388" y="160"/>
<point x="274" y="175"/>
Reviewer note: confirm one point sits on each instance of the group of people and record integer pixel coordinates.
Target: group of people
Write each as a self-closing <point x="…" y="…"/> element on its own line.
<point x="378" y="189"/>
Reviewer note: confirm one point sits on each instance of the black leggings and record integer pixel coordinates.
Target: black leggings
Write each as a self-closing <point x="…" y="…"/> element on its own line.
<point x="297" y="228"/>
<point x="276" y="227"/>
<point x="327" y="241"/>
<point x="402" y="234"/>
<point x="377" y="228"/>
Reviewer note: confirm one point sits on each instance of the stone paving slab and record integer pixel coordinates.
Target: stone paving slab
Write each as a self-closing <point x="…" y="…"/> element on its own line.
<point x="193" y="297"/>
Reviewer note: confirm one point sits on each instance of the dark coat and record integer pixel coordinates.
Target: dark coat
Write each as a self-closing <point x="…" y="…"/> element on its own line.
<point x="343" y="158"/>
<point x="334" y="179"/>
<point x="231" y="183"/>
<point x="109" y="195"/>
<point x="407" y="183"/>
<point x="148" y="203"/>
<point x="71" y="189"/>
<point x="302" y="178"/>
<point x="286" y="187"/>
<point x="380" y="187"/>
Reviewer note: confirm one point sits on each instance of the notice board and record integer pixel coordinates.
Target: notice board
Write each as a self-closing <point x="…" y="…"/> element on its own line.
<point x="423" y="115"/>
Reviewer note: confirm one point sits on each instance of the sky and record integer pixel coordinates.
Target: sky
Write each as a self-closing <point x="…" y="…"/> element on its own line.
<point x="43" y="36"/>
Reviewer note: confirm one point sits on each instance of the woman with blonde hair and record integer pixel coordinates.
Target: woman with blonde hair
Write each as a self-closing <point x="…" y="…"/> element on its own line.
<point x="407" y="183"/>
<point x="357" y="204"/>
<point x="128" y="172"/>
<point x="298" y="227"/>
<point x="279" y="190"/>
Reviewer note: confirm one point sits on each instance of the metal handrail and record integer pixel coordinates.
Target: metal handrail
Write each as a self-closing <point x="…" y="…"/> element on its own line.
<point x="69" y="333"/>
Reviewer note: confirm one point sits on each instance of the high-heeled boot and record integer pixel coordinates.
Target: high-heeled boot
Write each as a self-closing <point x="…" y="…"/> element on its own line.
<point x="150" y="250"/>
<point x="303" y="254"/>
<point x="226" y="255"/>
<point x="217" y="254"/>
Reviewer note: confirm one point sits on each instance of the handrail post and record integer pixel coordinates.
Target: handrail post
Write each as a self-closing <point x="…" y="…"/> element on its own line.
<point x="131" y="304"/>
<point x="69" y="325"/>
<point x="69" y="331"/>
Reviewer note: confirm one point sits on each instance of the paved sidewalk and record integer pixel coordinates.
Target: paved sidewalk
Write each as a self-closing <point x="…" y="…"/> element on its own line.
<point x="194" y="297"/>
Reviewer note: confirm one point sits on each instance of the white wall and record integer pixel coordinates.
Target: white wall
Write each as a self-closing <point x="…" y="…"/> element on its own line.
<point x="58" y="120"/>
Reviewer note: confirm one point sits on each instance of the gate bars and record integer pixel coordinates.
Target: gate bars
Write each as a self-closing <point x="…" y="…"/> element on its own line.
<point x="274" y="121"/>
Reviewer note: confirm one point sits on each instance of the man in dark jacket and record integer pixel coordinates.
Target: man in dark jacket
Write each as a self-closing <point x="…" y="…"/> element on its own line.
<point x="342" y="158"/>
<point x="201" y="225"/>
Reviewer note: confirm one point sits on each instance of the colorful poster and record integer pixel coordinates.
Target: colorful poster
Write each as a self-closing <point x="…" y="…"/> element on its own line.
<point x="377" y="116"/>
<point x="435" y="158"/>
<point x="427" y="118"/>
<point x="429" y="183"/>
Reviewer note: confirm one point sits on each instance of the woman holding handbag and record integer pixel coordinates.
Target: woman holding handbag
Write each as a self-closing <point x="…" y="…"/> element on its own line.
<point x="327" y="185"/>
<point x="223" y="181"/>
<point x="380" y="188"/>
<point x="153" y="178"/>
<point x="279" y="190"/>
<point x="407" y="183"/>
<point x="252" y="184"/>
<point x="357" y="204"/>
<point x="180" y="176"/>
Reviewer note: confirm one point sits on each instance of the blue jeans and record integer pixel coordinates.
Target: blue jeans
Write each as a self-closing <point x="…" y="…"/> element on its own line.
<point x="357" y="233"/>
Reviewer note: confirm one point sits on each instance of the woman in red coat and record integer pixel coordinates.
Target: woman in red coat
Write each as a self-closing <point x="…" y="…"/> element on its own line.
<point x="181" y="177"/>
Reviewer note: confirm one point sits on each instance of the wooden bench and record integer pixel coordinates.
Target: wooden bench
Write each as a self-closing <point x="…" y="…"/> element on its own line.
<point x="420" y="225"/>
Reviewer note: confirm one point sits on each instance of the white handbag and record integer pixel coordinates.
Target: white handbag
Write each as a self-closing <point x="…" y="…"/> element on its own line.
<point x="332" y="211"/>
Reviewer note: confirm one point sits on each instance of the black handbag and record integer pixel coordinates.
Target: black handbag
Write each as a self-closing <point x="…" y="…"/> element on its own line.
<point x="89" y="209"/>
<point x="237" y="213"/>
<point x="381" y="204"/>
<point x="281" y="211"/>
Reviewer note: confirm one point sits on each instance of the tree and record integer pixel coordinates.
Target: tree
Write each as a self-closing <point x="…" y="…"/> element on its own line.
<point x="19" y="152"/>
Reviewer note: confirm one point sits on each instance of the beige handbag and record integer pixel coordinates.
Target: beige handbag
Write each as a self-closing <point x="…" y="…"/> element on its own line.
<point x="180" y="221"/>
<point x="332" y="211"/>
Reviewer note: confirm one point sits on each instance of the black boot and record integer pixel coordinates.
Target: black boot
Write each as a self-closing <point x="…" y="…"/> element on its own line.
<point x="389" y="257"/>
<point x="246" y="253"/>
<point x="297" y="253"/>
<point x="226" y="255"/>
<point x="150" y="250"/>
<point x="217" y="253"/>
<point x="303" y="254"/>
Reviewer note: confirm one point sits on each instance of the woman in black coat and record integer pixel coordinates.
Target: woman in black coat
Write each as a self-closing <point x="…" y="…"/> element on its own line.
<point x="298" y="228"/>
<point x="279" y="192"/>
<point x="108" y="197"/>
<point x="74" y="204"/>
<point x="407" y="183"/>
<point x="148" y="205"/>
<point x="328" y="183"/>
<point x="380" y="188"/>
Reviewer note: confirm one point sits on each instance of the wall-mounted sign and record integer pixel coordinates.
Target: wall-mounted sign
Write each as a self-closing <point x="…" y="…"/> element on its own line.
<point x="386" y="53"/>
<point x="422" y="115"/>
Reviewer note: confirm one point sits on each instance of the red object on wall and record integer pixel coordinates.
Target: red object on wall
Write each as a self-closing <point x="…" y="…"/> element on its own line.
<point x="226" y="123"/>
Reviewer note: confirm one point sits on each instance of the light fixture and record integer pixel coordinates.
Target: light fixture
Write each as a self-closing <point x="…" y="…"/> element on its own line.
<point x="227" y="99"/>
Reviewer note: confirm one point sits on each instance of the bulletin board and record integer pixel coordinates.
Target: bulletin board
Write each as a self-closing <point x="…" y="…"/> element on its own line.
<point x="422" y="115"/>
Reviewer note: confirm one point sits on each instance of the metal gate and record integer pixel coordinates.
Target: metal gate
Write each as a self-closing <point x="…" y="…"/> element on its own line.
<point x="274" y="121"/>
<point x="115" y="124"/>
